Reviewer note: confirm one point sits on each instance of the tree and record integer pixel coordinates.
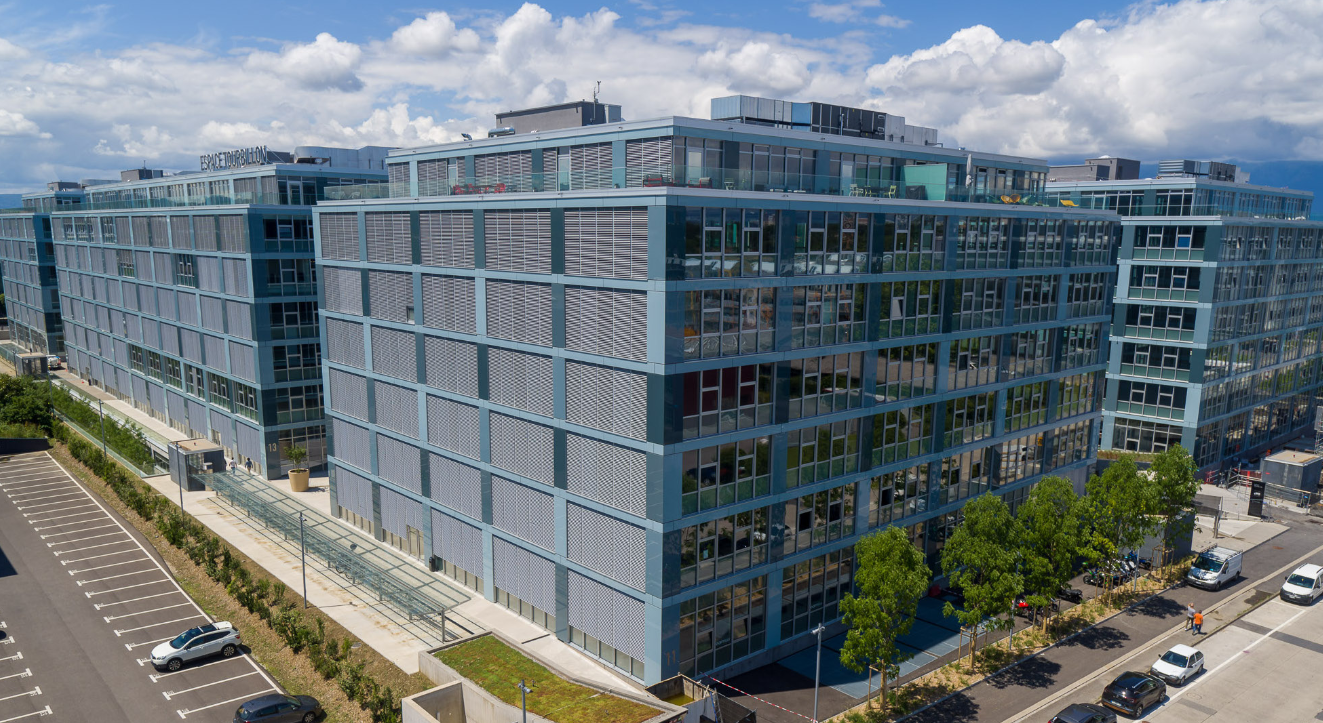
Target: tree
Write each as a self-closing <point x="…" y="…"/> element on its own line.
<point x="980" y="558"/>
<point x="1116" y="505"/>
<point x="23" y="401"/>
<point x="891" y="576"/>
<point x="1050" y="539"/>
<point x="1173" y="487"/>
<point x="296" y="454"/>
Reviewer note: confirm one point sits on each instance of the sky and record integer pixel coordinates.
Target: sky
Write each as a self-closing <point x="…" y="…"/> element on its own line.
<point x="89" y="90"/>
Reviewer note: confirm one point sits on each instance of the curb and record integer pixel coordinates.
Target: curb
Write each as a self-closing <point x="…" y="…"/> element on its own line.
<point x="1075" y="634"/>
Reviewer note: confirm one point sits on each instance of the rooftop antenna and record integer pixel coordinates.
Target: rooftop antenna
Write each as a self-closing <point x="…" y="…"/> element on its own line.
<point x="597" y="89"/>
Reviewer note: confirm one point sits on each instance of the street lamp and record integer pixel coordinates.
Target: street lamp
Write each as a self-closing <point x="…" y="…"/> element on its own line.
<point x="303" y="558"/>
<point x="817" y="670"/>
<point x="523" y="698"/>
<point x="101" y="408"/>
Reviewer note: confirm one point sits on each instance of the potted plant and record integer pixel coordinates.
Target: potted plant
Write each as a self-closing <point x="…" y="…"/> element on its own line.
<point x="298" y="477"/>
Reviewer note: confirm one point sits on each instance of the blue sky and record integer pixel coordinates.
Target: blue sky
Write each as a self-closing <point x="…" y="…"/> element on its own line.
<point x="87" y="90"/>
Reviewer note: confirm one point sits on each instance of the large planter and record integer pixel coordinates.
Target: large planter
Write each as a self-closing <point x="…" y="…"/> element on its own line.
<point x="298" y="480"/>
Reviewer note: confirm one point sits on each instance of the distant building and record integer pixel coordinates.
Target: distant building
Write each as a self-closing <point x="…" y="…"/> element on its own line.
<point x="555" y="117"/>
<point x="817" y="117"/>
<point x="1217" y="340"/>
<point x="1096" y="169"/>
<point x="27" y="257"/>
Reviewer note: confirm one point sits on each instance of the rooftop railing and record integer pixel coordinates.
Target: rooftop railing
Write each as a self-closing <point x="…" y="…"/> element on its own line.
<point x="1178" y="210"/>
<point x="915" y="183"/>
<point x="233" y="199"/>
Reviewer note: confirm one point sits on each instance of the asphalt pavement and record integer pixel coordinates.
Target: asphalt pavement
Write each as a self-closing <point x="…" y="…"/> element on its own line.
<point x="83" y="599"/>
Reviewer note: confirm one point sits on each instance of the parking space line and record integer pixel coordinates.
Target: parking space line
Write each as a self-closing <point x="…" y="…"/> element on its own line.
<point x="36" y="691"/>
<point x="126" y="587"/>
<point x="42" y="495"/>
<point x="27" y="673"/>
<point x="131" y="646"/>
<point x="113" y="577"/>
<point x="49" y="504"/>
<point x="15" y="656"/>
<point x="65" y="517"/>
<point x="144" y="612"/>
<point x="66" y="509"/>
<point x="136" y="599"/>
<point x="93" y="547"/>
<point x="189" y="711"/>
<point x="9" y="640"/>
<point x="72" y="560"/>
<point x="85" y="529"/>
<point x="36" y="487"/>
<point x="20" y="483"/>
<point x="217" y="661"/>
<point x="43" y="713"/>
<point x="69" y="524"/>
<point x="84" y="539"/>
<point x="204" y="685"/>
<point x="157" y="625"/>
<point x="113" y="564"/>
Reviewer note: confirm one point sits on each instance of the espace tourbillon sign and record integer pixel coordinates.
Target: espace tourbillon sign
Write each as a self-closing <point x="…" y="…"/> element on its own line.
<point x="255" y="156"/>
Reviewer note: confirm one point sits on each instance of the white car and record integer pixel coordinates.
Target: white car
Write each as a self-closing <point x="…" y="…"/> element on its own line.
<point x="219" y="638"/>
<point x="1304" y="585"/>
<point x="1178" y="665"/>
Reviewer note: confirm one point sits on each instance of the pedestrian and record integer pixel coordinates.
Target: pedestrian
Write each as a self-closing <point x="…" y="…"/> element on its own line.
<point x="248" y="465"/>
<point x="1198" y="622"/>
<point x="1189" y="616"/>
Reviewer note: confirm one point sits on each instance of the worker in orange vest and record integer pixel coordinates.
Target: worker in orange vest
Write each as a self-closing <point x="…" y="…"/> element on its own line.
<point x="1198" y="622"/>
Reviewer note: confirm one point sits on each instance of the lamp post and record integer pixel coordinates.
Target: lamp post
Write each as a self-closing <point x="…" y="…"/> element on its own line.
<point x="523" y="698"/>
<point x="303" y="558"/>
<point x="817" y="670"/>
<point x="101" y="408"/>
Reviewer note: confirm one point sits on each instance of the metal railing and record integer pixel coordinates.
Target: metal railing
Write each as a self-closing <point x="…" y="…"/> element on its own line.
<point x="421" y="597"/>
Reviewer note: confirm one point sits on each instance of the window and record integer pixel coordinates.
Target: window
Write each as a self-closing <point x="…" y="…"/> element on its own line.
<point x="1174" y="202"/>
<point x="730" y="242"/>
<point x="297" y="361"/>
<point x="723" y="546"/>
<point x="1037" y="299"/>
<point x="969" y="419"/>
<point x="1031" y="353"/>
<point x="1089" y="294"/>
<point x="974" y="361"/>
<point x="524" y="609"/>
<point x="1160" y="361"/>
<point x="831" y="242"/>
<point x="897" y="495"/>
<point x="219" y="391"/>
<point x="911" y="243"/>
<point x="979" y="303"/>
<point x="983" y="243"/>
<point x="245" y="401"/>
<point x="723" y="400"/>
<point x="910" y="308"/>
<point x="1161" y="322"/>
<point x="811" y="591"/>
<point x="185" y="275"/>
<point x="826" y="315"/>
<point x="1132" y="435"/>
<point x="1043" y="243"/>
<point x="195" y="381"/>
<point x="126" y="267"/>
<point x="287" y="233"/>
<point x="291" y="277"/>
<point x="965" y="475"/>
<point x="1180" y="243"/>
<point x="729" y="322"/>
<point x="901" y="434"/>
<point x="294" y="320"/>
<point x="725" y="474"/>
<point x="821" y="452"/>
<point x="822" y="385"/>
<point x="154" y="369"/>
<point x="1026" y="406"/>
<point x="1174" y="283"/>
<point x="1078" y="394"/>
<point x="1021" y="458"/>
<point x="818" y="518"/>
<point x="722" y="626"/>
<point x="1151" y="400"/>
<point x="137" y="360"/>
<point x="174" y="375"/>
<point x="905" y="372"/>
<point x="298" y="404"/>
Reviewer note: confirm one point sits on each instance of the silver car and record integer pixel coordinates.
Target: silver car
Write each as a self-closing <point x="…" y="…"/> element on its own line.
<point x="219" y="638"/>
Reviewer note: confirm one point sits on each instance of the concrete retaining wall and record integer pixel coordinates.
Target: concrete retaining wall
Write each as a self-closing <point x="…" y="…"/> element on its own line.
<point x="17" y="445"/>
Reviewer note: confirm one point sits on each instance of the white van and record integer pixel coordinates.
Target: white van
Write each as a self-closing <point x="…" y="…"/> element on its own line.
<point x="1304" y="585"/>
<point x="1214" y="568"/>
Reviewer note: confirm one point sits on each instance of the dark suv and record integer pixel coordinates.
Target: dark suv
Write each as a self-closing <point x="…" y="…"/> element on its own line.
<point x="1084" y="713"/>
<point x="1132" y="693"/>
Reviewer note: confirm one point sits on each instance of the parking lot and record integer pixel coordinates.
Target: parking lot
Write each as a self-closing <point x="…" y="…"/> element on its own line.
<point x="83" y="600"/>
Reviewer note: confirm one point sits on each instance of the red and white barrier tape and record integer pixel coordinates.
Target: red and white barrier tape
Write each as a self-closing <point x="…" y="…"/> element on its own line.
<point x="761" y="700"/>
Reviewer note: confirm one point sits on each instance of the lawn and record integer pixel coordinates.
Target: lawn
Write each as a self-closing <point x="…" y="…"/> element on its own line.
<point x="498" y="668"/>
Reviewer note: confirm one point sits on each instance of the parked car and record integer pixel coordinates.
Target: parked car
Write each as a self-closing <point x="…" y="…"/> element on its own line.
<point x="1084" y="713"/>
<point x="1304" y="585"/>
<point x="1214" y="568"/>
<point x="219" y="638"/>
<point x="52" y="361"/>
<point x="1133" y="692"/>
<point x="279" y="708"/>
<point x="1178" y="665"/>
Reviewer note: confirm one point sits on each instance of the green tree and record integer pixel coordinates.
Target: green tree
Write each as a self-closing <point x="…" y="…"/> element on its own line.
<point x="1050" y="539"/>
<point x="980" y="558"/>
<point x="890" y="578"/>
<point x="1116" y="506"/>
<point x="23" y="401"/>
<point x="1173" y="485"/>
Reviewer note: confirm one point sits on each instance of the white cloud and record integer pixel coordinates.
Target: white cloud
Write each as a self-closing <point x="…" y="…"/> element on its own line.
<point x="435" y="35"/>
<point x="14" y="124"/>
<point x="325" y="63"/>
<point x="10" y="51"/>
<point x="756" y="67"/>
<point x="853" y="11"/>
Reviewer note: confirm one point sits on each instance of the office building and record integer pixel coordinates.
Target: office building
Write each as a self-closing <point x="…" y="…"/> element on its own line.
<point x="647" y="383"/>
<point x="1218" y="313"/>
<point x="814" y="117"/>
<point x="193" y="295"/>
<point x="32" y="300"/>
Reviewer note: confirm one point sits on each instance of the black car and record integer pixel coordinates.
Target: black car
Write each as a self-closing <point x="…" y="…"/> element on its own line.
<point x="1084" y="713"/>
<point x="1133" y="692"/>
<point x="278" y="708"/>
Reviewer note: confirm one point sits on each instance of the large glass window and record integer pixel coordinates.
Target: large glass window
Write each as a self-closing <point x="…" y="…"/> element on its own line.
<point x="822" y="385"/>
<point x="905" y="372"/>
<point x="294" y="320"/>
<point x="724" y="400"/>
<point x="966" y="475"/>
<point x="295" y="362"/>
<point x="185" y="273"/>
<point x="818" y="518"/>
<point x="722" y="626"/>
<point x="1037" y="299"/>
<point x="219" y="391"/>
<point x="910" y="308"/>
<point x="727" y="322"/>
<point x="978" y="303"/>
<point x="811" y="591"/>
<point x="911" y="243"/>
<point x="826" y="315"/>
<point x="1151" y="400"/>
<point x="1021" y="458"/>
<point x="730" y="242"/>
<point x="897" y="495"/>
<point x="723" y="546"/>
<point x="245" y="401"/>
<point x="969" y="419"/>
<point x="726" y="474"/>
<point x="1078" y="394"/>
<point x="974" y="361"/>
<point x="298" y="404"/>
<point x="1160" y="322"/>
<point x="1026" y="406"/>
<point x="983" y="243"/>
<point x="901" y="434"/>
<point x="291" y="277"/>
<point x="822" y="452"/>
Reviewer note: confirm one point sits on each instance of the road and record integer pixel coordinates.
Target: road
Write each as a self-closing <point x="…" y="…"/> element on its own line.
<point x="83" y="598"/>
